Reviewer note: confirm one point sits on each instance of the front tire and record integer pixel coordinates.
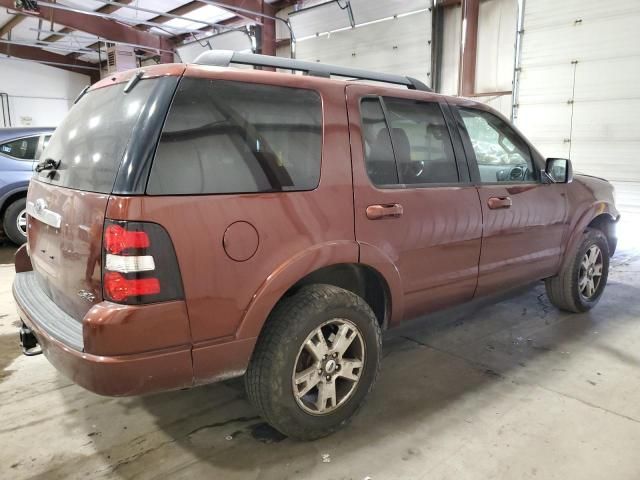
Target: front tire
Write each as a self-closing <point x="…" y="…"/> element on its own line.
<point x="579" y="286"/>
<point x="315" y="361"/>
<point x="14" y="222"/>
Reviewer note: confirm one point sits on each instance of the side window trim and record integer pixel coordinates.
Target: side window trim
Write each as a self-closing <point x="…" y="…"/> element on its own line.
<point x="17" y="139"/>
<point x="472" y="160"/>
<point x="462" y="162"/>
<point x="385" y="114"/>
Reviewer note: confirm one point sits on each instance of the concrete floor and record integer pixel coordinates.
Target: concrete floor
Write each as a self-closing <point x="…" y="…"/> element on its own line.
<point x="512" y="390"/>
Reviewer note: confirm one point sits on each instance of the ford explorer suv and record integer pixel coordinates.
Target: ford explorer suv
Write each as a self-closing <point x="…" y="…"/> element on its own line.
<point x="20" y="147"/>
<point x="194" y="223"/>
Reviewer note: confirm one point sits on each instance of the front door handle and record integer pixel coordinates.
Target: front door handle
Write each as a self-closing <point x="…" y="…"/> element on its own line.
<point x="376" y="212"/>
<point x="499" y="202"/>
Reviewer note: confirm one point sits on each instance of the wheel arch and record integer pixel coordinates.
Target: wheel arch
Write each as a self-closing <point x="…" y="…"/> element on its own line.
<point x="600" y="215"/>
<point x="11" y="196"/>
<point x="606" y="222"/>
<point x="334" y="264"/>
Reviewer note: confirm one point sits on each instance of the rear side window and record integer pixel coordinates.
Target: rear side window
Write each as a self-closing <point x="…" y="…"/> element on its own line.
<point x="232" y="137"/>
<point x="407" y="142"/>
<point x="22" y="148"/>
<point x="91" y="140"/>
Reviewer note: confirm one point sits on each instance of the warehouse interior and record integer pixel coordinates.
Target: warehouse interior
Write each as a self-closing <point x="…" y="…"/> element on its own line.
<point x="507" y="387"/>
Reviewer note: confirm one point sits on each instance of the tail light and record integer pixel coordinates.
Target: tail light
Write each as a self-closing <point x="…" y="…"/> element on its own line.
<point x="139" y="264"/>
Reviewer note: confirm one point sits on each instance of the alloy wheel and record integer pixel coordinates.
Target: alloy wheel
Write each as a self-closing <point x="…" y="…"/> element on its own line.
<point x="21" y="222"/>
<point x="590" y="272"/>
<point x="328" y="367"/>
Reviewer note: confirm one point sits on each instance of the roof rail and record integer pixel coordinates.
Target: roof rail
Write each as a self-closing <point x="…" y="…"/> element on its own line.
<point x="223" y="58"/>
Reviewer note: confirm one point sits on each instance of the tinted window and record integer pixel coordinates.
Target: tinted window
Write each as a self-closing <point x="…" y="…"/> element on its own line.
<point x="501" y="154"/>
<point x="380" y="163"/>
<point x="91" y="140"/>
<point x="416" y="133"/>
<point x="232" y="137"/>
<point x="22" y="149"/>
<point x="421" y="142"/>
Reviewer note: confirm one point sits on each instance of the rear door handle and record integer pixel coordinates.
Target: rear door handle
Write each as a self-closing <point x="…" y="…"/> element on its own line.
<point x="499" y="202"/>
<point x="376" y="212"/>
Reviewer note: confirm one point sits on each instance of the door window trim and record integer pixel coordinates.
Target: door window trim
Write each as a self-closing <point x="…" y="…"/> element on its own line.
<point x="472" y="161"/>
<point x="460" y="161"/>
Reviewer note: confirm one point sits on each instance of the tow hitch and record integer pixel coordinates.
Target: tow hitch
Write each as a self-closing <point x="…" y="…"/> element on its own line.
<point x="29" y="342"/>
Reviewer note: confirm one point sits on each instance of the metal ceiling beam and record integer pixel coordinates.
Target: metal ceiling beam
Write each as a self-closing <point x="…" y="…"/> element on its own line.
<point x="169" y="15"/>
<point x="43" y="56"/>
<point x="104" y="9"/>
<point x="124" y="21"/>
<point x="97" y="40"/>
<point x="257" y="11"/>
<point x="97" y="24"/>
<point x="51" y="46"/>
<point x="14" y="22"/>
<point x="235" y="7"/>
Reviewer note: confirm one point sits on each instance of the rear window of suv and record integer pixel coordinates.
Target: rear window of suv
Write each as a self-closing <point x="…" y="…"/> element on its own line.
<point x="91" y="140"/>
<point x="232" y="137"/>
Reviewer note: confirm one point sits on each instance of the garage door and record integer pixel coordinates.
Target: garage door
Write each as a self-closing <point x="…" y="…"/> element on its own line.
<point x="390" y="36"/>
<point x="579" y="95"/>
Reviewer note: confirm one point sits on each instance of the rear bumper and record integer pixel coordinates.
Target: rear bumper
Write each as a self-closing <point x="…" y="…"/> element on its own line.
<point x="131" y="374"/>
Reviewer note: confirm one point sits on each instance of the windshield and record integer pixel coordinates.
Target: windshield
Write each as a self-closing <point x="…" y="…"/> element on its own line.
<point x="91" y="140"/>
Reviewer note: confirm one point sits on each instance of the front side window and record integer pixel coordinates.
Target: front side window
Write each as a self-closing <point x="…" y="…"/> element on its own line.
<point x="22" y="148"/>
<point x="409" y="146"/>
<point x="501" y="154"/>
<point x="232" y="137"/>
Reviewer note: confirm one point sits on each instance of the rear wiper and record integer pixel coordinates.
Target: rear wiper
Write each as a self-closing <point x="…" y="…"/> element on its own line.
<point x="48" y="164"/>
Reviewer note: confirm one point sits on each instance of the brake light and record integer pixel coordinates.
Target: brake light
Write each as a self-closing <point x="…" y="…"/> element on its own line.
<point x="117" y="239"/>
<point x="119" y="288"/>
<point x="139" y="264"/>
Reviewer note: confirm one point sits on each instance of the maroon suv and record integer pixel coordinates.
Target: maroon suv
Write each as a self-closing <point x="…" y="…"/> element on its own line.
<point x="193" y="223"/>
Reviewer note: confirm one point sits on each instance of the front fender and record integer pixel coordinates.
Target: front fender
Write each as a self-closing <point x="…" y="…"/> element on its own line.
<point x="583" y="219"/>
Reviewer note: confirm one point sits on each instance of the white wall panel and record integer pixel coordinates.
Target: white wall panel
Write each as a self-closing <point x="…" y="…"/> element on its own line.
<point x="497" y="24"/>
<point x="604" y="39"/>
<point x="370" y="10"/>
<point x="450" y="64"/>
<point x="319" y="19"/>
<point x="39" y="92"/>
<point x="393" y="46"/>
<point x="328" y="16"/>
<point x="502" y="103"/>
<point x="546" y="122"/>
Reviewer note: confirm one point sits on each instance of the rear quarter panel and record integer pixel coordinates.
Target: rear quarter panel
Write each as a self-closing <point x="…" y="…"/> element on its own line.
<point x="228" y="300"/>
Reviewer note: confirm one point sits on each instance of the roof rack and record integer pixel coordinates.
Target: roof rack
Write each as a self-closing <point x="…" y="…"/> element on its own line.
<point x="223" y="58"/>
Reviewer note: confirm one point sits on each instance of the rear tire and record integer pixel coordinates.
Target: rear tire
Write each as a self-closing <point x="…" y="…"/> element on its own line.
<point x="306" y="386"/>
<point x="14" y="222"/>
<point x="579" y="286"/>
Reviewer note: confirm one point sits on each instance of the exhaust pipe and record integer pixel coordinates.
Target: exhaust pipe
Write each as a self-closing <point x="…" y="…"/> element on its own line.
<point x="29" y="342"/>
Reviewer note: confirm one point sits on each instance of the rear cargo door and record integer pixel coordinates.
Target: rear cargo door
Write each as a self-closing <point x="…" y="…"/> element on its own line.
<point x="68" y="195"/>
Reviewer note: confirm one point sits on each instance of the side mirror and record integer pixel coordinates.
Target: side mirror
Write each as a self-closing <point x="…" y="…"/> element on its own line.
<point x="559" y="170"/>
